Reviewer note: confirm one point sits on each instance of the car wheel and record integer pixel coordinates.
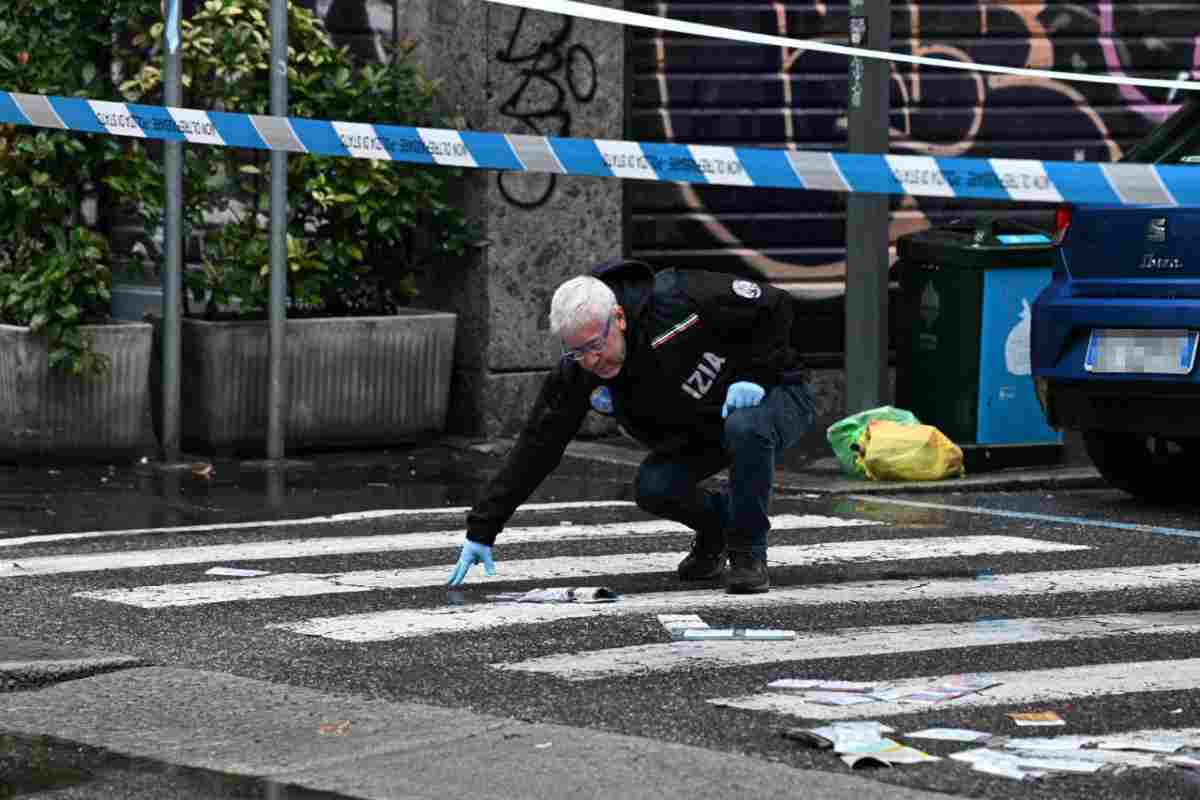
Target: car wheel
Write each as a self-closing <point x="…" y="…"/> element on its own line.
<point x="1145" y="465"/>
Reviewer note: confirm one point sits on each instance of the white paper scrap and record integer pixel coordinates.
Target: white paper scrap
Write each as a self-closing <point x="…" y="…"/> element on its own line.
<point x="846" y="735"/>
<point x="994" y="762"/>
<point x="234" y="572"/>
<point x="1040" y="743"/>
<point x="572" y="594"/>
<point x="817" y="684"/>
<point x="887" y="751"/>
<point x="1149" y="744"/>
<point x="949" y="735"/>
<point x="730" y="634"/>
<point x="838" y="698"/>
<point x="676" y="624"/>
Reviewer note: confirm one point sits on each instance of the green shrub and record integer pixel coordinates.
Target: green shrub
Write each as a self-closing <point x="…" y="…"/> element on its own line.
<point x="54" y="264"/>
<point x="358" y="230"/>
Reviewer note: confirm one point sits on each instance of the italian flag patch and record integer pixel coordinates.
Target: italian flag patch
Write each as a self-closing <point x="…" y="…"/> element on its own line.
<point x="662" y="339"/>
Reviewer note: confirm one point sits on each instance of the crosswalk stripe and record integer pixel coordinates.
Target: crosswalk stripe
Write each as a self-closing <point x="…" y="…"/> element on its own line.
<point x="1016" y="688"/>
<point x="1030" y="515"/>
<point x="352" y="516"/>
<point x="345" y="545"/>
<point x="563" y="570"/>
<point x="850" y="643"/>
<point x="380" y="626"/>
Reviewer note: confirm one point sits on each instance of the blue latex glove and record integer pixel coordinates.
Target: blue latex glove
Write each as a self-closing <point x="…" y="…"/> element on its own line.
<point x="472" y="553"/>
<point x="742" y="394"/>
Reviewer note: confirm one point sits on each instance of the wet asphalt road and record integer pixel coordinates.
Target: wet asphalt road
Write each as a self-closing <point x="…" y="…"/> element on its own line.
<point x="453" y="669"/>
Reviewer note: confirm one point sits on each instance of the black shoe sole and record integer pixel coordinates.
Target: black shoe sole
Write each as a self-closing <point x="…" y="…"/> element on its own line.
<point x="741" y="588"/>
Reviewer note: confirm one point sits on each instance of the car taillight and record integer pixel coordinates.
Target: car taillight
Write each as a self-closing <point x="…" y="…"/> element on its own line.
<point x="1062" y="223"/>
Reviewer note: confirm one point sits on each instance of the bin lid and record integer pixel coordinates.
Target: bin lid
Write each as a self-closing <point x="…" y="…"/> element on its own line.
<point x="984" y="243"/>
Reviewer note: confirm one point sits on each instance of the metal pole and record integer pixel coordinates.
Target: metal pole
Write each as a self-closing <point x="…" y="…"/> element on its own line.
<point x="172" y="277"/>
<point x="867" y="215"/>
<point x="395" y="28"/>
<point x="276" y="393"/>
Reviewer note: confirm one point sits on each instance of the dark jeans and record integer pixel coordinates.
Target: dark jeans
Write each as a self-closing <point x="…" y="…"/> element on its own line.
<point x="667" y="485"/>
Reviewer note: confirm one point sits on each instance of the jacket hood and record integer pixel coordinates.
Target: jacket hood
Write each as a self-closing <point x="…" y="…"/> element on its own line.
<point x="630" y="280"/>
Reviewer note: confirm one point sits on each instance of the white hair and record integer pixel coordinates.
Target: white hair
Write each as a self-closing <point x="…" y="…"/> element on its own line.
<point x="577" y="302"/>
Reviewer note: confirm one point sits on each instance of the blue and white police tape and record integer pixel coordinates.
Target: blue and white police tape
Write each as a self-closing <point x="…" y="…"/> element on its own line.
<point x="993" y="178"/>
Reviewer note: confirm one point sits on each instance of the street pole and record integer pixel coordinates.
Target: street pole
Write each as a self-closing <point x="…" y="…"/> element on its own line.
<point x="277" y="380"/>
<point x="172" y="277"/>
<point x="867" y="215"/>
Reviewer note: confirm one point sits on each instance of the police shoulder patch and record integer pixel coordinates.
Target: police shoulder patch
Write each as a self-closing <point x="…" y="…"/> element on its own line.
<point x="747" y="289"/>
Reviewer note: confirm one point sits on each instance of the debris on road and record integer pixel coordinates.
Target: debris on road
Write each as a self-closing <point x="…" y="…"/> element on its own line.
<point x="731" y="634"/>
<point x="819" y="685"/>
<point x="860" y="744"/>
<point x="824" y="691"/>
<point x="949" y="735"/>
<point x="573" y="594"/>
<point x="339" y="728"/>
<point x="691" y="628"/>
<point x="1036" y="718"/>
<point x="676" y="624"/>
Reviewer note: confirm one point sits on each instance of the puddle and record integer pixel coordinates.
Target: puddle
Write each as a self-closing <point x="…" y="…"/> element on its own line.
<point x="213" y="491"/>
<point x="33" y="764"/>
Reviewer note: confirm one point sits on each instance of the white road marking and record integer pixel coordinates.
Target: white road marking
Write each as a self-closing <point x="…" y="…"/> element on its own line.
<point x="565" y="570"/>
<point x="343" y="545"/>
<point x="851" y="643"/>
<point x="382" y="626"/>
<point x="1016" y="688"/>
<point x="354" y="516"/>
<point x="1000" y="512"/>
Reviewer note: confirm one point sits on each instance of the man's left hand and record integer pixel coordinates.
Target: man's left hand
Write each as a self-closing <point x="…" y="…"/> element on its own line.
<point x="742" y="394"/>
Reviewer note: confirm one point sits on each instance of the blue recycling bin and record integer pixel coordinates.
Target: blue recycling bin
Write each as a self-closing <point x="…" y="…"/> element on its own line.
<point x="962" y="355"/>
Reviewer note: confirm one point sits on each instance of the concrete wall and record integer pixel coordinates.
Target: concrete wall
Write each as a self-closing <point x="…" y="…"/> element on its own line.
<point x="515" y="71"/>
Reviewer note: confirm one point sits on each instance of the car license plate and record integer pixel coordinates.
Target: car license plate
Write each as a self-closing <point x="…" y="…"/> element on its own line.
<point x="1133" y="350"/>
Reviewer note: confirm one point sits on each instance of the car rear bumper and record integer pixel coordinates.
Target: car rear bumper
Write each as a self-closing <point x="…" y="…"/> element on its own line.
<point x="1134" y="407"/>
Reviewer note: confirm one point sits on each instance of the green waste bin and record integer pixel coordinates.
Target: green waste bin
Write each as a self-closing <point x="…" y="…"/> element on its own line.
<point x="962" y="350"/>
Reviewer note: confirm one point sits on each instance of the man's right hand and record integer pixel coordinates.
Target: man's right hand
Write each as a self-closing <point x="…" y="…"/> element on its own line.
<point x="472" y="553"/>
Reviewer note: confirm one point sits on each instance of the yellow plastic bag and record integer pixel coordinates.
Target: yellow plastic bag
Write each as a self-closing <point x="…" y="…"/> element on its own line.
<point x="898" y="452"/>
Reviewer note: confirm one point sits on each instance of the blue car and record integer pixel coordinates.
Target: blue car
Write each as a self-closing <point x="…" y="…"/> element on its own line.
<point x="1114" y="335"/>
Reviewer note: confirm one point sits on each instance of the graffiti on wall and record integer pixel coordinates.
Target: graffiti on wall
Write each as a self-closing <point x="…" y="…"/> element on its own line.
<point x="554" y="74"/>
<point x="934" y="111"/>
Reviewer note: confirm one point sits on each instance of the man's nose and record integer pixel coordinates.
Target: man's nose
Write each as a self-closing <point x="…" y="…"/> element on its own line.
<point x="591" y="359"/>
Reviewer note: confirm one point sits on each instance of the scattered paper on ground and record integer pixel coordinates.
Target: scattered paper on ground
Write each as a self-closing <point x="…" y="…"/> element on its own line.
<point x="749" y="634"/>
<point x="676" y="624"/>
<point x="949" y="735"/>
<point x="1033" y="757"/>
<point x="573" y="594"/>
<point x="818" y="685"/>
<point x="860" y="743"/>
<point x="839" y="734"/>
<point x="818" y="690"/>
<point x="1036" y="718"/>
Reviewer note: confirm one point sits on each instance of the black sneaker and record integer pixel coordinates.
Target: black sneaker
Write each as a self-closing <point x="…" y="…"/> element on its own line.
<point x="746" y="575"/>
<point x="705" y="562"/>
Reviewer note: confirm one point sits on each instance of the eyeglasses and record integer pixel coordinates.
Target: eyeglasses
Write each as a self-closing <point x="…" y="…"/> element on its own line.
<point x="594" y="346"/>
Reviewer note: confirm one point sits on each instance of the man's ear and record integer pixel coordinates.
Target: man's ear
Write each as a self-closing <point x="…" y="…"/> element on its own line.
<point x="620" y="312"/>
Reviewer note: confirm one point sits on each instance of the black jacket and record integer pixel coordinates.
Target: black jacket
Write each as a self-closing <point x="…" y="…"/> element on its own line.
<point x="689" y="335"/>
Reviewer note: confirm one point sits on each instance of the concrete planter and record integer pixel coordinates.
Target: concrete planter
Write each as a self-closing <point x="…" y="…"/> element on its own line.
<point x="350" y="381"/>
<point x="48" y="414"/>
